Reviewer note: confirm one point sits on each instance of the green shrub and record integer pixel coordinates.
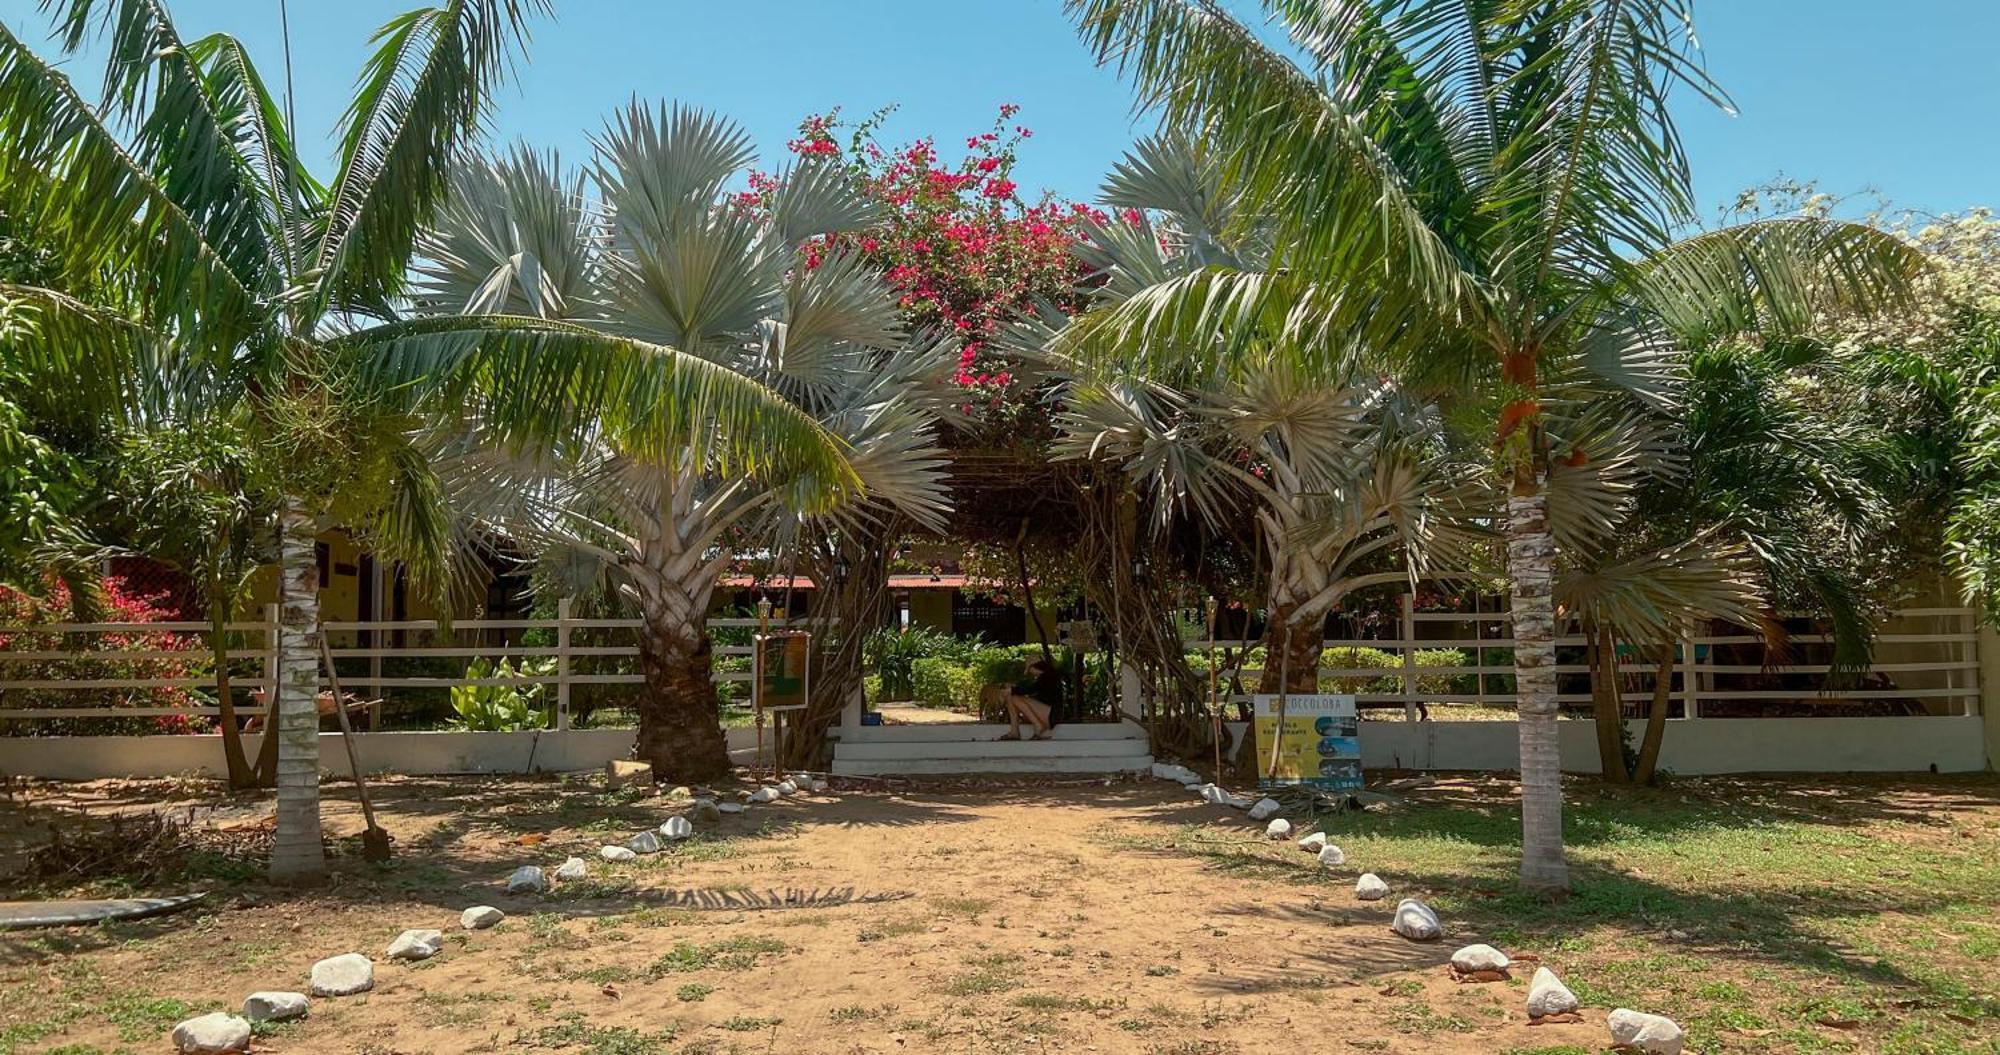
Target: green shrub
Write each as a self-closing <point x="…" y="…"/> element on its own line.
<point x="501" y="708"/>
<point x="891" y="653"/>
<point x="1000" y="666"/>
<point x="943" y="683"/>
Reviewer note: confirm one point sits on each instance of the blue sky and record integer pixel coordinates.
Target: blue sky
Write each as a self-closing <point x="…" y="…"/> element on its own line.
<point x="1856" y="94"/>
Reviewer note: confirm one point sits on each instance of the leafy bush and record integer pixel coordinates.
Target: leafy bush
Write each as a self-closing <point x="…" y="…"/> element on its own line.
<point x="1000" y="666"/>
<point x="122" y="604"/>
<point x="892" y="651"/>
<point x="502" y="708"/>
<point x="943" y="683"/>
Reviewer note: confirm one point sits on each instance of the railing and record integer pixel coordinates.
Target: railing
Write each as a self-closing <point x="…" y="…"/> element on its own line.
<point x="1922" y="655"/>
<point x="348" y="640"/>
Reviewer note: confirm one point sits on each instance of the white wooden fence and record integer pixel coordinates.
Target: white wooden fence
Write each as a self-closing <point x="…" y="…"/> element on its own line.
<point x="85" y="639"/>
<point x="1924" y="654"/>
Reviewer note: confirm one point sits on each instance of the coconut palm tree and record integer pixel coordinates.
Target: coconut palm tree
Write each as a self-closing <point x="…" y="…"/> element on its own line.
<point x="665" y="254"/>
<point x="1467" y="190"/>
<point x="188" y="231"/>
<point x="1351" y="483"/>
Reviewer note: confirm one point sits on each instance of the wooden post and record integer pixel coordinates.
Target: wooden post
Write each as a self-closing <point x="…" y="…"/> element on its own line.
<point x="1409" y="657"/>
<point x="562" y="664"/>
<point x="1690" y="681"/>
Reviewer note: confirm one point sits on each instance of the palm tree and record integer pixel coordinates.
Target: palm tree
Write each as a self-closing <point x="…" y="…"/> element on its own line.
<point x="183" y="209"/>
<point x="671" y="257"/>
<point x="1465" y="189"/>
<point x="1351" y="483"/>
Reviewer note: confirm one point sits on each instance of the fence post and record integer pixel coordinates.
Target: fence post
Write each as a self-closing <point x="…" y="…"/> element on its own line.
<point x="1409" y="657"/>
<point x="1690" y="680"/>
<point x="562" y="664"/>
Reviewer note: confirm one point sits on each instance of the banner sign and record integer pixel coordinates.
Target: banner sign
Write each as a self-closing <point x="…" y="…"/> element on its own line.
<point x="780" y="670"/>
<point x="1318" y="741"/>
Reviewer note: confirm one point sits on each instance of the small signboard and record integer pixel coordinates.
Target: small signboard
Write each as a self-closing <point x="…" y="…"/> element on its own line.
<point x="781" y="670"/>
<point x="1318" y="740"/>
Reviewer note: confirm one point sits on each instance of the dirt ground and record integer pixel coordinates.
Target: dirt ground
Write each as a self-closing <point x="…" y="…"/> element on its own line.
<point x="1076" y="918"/>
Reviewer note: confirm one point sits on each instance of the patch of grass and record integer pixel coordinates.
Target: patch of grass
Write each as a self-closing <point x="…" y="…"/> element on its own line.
<point x="1055" y="1004"/>
<point x="896" y="928"/>
<point x="739" y="953"/>
<point x="607" y="974"/>
<point x="693" y="992"/>
<point x="457" y="1009"/>
<point x="989" y="974"/>
<point x="858" y="1013"/>
<point x="573" y="1031"/>
<point x="1162" y="970"/>
<point x="968" y="908"/>
<point x="747" y="1024"/>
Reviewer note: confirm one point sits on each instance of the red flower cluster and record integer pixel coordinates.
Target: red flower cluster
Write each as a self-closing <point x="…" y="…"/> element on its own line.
<point x="960" y="246"/>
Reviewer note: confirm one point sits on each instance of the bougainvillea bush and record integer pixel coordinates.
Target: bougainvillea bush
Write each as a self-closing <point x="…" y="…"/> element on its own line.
<point x="965" y="249"/>
<point x="21" y="616"/>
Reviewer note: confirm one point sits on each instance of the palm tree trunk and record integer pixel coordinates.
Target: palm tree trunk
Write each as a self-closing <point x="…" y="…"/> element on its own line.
<point x="1656" y="718"/>
<point x="1531" y="553"/>
<point x="1607" y="704"/>
<point x="240" y="774"/>
<point x="296" y="853"/>
<point x="680" y="716"/>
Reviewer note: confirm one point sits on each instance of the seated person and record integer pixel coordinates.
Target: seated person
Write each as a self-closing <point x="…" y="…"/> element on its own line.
<point x="1035" y="699"/>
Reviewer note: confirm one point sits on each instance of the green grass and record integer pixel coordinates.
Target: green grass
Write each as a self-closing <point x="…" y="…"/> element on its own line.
<point x="731" y="954"/>
<point x="990" y="974"/>
<point x="1741" y="908"/>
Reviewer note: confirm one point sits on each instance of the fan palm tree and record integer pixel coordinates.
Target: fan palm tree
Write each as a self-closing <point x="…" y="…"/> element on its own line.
<point x="1485" y="193"/>
<point x="187" y="231"/>
<point x="669" y="256"/>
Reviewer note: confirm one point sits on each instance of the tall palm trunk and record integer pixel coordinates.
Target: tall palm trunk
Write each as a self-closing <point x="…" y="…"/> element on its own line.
<point x="1656" y="716"/>
<point x="296" y="854"/>
<point x="240" y="774"/>
<point x="680" y="715"/>
<point x="1531" y="552"/>
<point x="1607" y="702"/>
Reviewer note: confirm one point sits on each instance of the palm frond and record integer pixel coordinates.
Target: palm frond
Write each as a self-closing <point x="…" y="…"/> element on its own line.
<point x="120" y="231"/>
<point x="1651" y="596"/>
<point x="68" y="359"/>
<point x="534" y="381"/>
<point x="421" y="100"/>
<point x="515" y="237"/>
<point x="1777" y="277"/>
<point x="818" y="197"/>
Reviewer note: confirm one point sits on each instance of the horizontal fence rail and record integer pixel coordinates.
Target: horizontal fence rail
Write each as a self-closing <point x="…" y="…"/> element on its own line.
<point x="1927" y="661"/>
<point x="1925" y="658"/>
<point x="345" y="638"/>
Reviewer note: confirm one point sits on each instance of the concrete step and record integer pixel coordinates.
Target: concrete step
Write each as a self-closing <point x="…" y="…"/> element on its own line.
<point x="943" y="732"/>
<point x="910" y="767"/>
<point x="879" y="751"/>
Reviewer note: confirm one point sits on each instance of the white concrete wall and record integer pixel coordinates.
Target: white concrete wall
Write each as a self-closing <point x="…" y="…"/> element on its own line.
<point x="428" y="753"/>
<point x="1702" y="746"/>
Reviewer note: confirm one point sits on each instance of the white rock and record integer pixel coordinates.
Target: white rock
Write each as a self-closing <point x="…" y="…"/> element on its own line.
<point x="343" y="975"/>
<point x="819" y="787"/>
<point x="275" y="1007"/>
<point x="1194" y="786"/>
<point x="1211" y="793"/>
<point x="677" y="828"/>
<point x="213" y="1034"/>
<point x="1177" y="774"/>
<point x="574" y="868"/>
<point x="1279" y="828"/>
<point x="1479" y="958"/>
<point x="1239" y="802"/>
<point x="1265" y="808"/>
<point x="1548" y="996"/>
<point x="764" y="795"/>
<point x="1331" y="856"/>
<point x="1313" y="843"/>
<point x="706" y="811"/>
<point x="480" y="917"/>
<point x="416" y="945"/>
<point x="681" y="792"/>
<point x="1639" y="1031"/>
<point x="527" y="879"/>
<point x="729" y="807"/>
<point x="788" y="787"/>
<point x="644" y="843"/>
<point x="1416" y="921"/>
<point x="615" y="853"/>
<point x="1370" y="887"/>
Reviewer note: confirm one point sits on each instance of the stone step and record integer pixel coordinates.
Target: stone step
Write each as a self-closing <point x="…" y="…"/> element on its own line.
<point x="983" y="731"/>
<point x="878" y="751"/>
<point x="910" y="767"/>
